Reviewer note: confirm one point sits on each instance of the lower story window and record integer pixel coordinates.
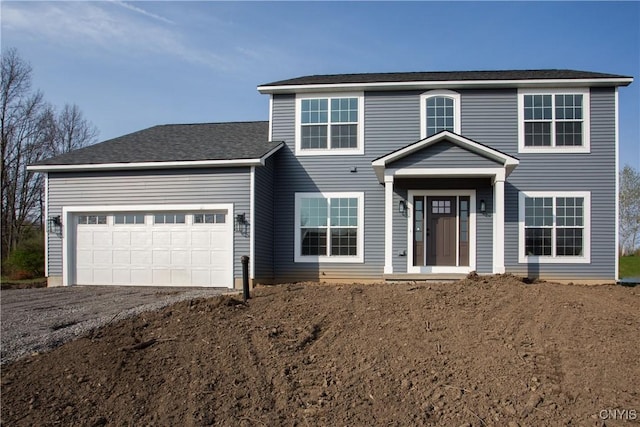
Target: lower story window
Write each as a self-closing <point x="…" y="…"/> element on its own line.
<point x="554" y="226"/>
<point x="329" y="227"/>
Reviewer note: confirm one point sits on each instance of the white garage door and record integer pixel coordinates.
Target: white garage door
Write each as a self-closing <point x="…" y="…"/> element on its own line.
<point x="154" y="248"/>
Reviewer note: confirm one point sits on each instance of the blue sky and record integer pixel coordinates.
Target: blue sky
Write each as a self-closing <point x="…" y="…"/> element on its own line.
<point x="131" y="65"/>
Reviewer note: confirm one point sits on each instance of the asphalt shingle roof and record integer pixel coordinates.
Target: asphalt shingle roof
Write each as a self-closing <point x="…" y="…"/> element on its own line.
<point x="181" y="142"/>
<point x="443" y="76"/>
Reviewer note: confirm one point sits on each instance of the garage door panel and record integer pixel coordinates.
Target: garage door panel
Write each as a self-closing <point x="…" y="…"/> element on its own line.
<point x="102" y="275"/>
<point x="200" y="257"/>
<point x="179" y="257"/>
<point x="179" y="238"/>
<point x="102" y="238"/>
<point x="141" y="257"/>
<point x="84" y="239"/>
<point x="161" y="276"/>
<point x="84" y="276"/>
<point x="200" y="239"/>
<point x="122" y="238"/>
<point x="179" y="276"/>
<point x="84" y="256"/>
<point x="161" y="257"/>
<point x="185" y="254"/>
<point x="141" y="238"/>
<point x="200" y="277"/>
<point x="161" y="238"/>
<point x="121" y="276"/>
<point x="102" y="257"/>
<point x="122" y="257"/>
<point x="141" y="276"/>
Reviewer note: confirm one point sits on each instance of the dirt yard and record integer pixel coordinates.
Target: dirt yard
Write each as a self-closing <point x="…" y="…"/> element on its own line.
<point x="479" y="352"/>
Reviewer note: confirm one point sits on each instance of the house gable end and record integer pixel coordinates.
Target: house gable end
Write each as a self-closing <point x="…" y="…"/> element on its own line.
<point x="444" y="150"/>
<point x="444" y="154"/>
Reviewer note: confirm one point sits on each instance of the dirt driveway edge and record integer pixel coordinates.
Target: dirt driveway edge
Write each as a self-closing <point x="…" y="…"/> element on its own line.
<point x="40" y="319"/>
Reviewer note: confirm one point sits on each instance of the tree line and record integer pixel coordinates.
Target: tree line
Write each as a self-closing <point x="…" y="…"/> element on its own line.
<point x="31" y="130"/>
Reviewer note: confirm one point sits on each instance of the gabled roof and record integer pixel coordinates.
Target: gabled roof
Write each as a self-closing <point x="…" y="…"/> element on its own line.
<point x="453" y="79"/>
<point x="178" y="145"/>
<point x="507" y="161"/>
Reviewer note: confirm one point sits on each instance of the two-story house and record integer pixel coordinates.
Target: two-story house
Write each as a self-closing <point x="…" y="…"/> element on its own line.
<point x="358" y="177"/>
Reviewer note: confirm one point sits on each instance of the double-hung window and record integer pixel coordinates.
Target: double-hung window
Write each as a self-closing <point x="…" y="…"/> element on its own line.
<point x="329" y="124"/>
<point x="439" y="110"/>
<point x="554" y="120"/>
<point x="555" y="227"/>
<point x="329" y="227"/>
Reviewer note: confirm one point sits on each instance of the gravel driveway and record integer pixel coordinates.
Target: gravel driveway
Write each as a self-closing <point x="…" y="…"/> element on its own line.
<point x="37" y="320"/>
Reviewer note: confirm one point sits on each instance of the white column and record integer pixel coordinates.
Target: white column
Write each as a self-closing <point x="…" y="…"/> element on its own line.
<point x="388" y="224"/>
<point x="498" y="225"/>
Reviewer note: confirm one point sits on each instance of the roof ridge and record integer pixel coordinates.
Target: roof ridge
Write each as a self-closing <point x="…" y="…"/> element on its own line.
<point x="213" y="123"/>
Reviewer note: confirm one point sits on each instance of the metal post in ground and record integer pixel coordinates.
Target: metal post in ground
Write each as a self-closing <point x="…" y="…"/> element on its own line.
<point x="245" y="277"/>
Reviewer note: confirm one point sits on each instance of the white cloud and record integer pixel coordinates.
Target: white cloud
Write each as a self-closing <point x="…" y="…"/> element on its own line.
<point x="143" y="12"/>
<point x="89" y="25"/>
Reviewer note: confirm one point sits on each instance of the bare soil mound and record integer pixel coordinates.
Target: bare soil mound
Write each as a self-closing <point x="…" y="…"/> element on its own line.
<point x="482" y="351"/>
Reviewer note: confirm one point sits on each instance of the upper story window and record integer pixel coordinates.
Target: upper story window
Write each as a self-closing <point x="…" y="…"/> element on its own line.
<point x="439" y="110"/>
<point x="329" y="124"/>
<point x="553" y="120"/>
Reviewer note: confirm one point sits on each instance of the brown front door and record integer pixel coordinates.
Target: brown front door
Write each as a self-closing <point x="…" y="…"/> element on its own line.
<point x="441" y="224"/>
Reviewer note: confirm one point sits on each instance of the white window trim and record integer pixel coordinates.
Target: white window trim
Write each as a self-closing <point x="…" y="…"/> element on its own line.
<point x="359" y="150"/>
<point x="359" y="258"/>
<point x="586" y="121"/>
<point x="423" y="109"/>
<point x="472" y="232"/>
<point x="585" y="258"/>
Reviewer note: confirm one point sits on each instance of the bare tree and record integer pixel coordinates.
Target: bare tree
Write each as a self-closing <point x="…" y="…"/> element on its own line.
<point x="73" y="131"/>
<point x="23" y="115"/>
<point x="30" y="130"/>
<point x="629" y="209"/>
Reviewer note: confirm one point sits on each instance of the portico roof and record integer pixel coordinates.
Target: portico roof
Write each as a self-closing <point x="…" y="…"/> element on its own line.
<point x="381" y="164"/>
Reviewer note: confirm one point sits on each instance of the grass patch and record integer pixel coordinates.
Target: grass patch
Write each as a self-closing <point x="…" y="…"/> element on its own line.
<point x="629" y="266"/>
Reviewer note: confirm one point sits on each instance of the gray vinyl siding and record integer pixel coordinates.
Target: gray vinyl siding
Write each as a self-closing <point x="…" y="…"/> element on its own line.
<point x="228" y="185"/>
<point x="595" y="172"/>
<point x="321" y="174"/>
<point x="263" y="229"/>
<point x="443" y="155"/>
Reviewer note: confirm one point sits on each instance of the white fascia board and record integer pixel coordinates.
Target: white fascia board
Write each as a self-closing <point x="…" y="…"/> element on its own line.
<point x="270" y="153"/>
<point x="145" y="165"/>
<point x="449" y="84"/>
<point x="496" y="173"/>
<point x="156" y="165"/>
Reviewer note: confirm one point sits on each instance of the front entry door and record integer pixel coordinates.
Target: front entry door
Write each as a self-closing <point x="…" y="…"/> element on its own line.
<point x="441" y="231"/>
<point x="441" y="227"/>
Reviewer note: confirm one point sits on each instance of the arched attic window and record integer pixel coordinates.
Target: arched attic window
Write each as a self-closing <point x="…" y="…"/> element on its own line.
<point x="439" y="110"/>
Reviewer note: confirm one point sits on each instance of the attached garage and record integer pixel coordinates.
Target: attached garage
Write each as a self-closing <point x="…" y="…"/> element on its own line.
<point x="172" y="205"/>
<point x="148" y="246"/>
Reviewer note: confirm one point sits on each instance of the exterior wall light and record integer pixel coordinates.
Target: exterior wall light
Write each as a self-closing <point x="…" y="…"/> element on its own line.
<point x="241" y="223"/>
<point x="54" y="225"/>
<point x="483" y="206"/>
<point x="402" y="207"/>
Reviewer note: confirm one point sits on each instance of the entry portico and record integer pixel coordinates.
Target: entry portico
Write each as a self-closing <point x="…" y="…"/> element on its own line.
<point x="436" y="182"/>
